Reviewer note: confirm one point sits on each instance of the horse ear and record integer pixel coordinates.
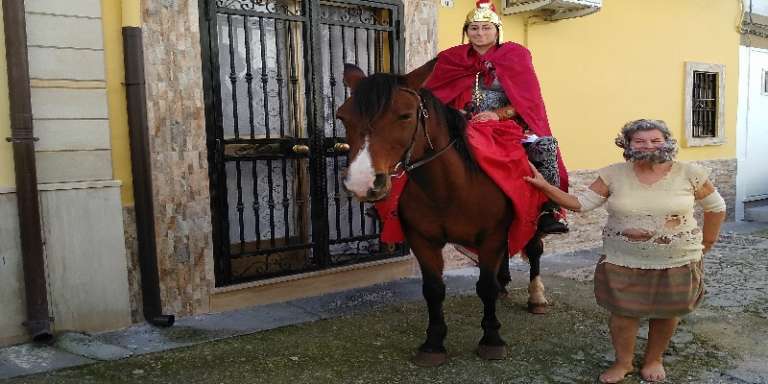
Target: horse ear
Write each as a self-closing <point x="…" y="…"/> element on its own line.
<point x="418" y="76"/>
<point x="352" y="75"/>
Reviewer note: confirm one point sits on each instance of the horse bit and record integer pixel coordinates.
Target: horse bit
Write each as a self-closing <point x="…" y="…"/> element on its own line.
<point x="422" y="116"/>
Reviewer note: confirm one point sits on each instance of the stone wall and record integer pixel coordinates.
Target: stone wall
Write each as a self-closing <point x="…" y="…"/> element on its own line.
<point x="171" y="30"/>
<point x="134" y="272"/>
<point x="420" y="32"/>
<point x="723" y="176"/>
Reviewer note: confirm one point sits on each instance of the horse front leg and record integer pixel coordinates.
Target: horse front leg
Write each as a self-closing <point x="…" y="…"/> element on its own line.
<point x="537" y="301"/>
<point x="432" y="352"/>
<point x="491" y="345"/>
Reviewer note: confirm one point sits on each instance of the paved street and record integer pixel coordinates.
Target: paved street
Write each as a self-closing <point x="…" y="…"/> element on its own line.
<point x="368" y="335"/>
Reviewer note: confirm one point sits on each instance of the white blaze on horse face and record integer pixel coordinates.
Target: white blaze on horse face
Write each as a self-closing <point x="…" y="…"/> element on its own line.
<point x="361" y="175"/>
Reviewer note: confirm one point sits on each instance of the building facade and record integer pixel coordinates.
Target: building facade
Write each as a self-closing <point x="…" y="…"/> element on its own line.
<point x="237" y="200"/>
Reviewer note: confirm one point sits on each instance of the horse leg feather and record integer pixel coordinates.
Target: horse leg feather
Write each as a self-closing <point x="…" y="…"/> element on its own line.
<point x="537" y="301"/>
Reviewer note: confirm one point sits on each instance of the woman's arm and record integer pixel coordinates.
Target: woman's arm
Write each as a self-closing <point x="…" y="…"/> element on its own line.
<point x="712" y="220"/>
<point x="562" y="198"/>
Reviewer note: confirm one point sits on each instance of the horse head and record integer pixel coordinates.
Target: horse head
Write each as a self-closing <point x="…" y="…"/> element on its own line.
<point x="381" y="118"/>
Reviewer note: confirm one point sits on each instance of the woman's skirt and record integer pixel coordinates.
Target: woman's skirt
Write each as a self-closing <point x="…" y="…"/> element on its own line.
<point x="649" y="293"/>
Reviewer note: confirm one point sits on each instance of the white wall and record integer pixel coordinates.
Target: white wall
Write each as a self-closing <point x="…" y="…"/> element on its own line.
<point x="84" y="254"/>
<point x="11" y="282"/>
<point x="69" y="101"/>
<point x="81" y="211"/>
<point x="758" y="6"/>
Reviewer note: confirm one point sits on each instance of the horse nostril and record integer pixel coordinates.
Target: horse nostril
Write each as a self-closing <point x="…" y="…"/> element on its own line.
<point x="379" y="182"/>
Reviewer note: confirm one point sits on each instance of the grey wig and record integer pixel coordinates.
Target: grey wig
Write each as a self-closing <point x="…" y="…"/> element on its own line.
<point x="665" y="153"/>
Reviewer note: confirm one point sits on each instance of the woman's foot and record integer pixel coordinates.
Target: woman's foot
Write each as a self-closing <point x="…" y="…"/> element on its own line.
<point x="653" y="371"/>
<point x="616" y="373"/>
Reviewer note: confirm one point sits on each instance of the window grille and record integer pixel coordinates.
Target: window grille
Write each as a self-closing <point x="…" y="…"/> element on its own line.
<point x="704" y="113"/>
<point x="704" y="104"/>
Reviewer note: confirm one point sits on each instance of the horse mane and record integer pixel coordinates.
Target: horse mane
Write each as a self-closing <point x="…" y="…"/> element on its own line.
<point x="378" y="90"/>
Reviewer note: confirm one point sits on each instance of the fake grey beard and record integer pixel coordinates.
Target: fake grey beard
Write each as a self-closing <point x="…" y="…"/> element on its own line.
<point x="663" y="154"/>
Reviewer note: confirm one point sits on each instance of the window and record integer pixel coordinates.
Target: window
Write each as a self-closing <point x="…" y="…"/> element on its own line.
<point x="704" y="104"/>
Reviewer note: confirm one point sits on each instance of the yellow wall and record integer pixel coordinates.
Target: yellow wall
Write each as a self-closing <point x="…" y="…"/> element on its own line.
<point x="115" y="15"/>
<point x="6" y="152"/>
<point x="625" y="62"/>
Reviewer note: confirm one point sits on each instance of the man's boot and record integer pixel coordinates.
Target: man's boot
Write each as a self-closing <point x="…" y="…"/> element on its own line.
<point x="551" y="220"/>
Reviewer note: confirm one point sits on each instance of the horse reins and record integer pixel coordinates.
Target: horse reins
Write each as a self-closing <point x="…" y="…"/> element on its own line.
<point x="422" y="116"/>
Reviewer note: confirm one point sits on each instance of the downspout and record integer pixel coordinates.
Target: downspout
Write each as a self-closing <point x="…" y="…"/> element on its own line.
<point x="38" y="321"/>
<point x="142" y="178"/>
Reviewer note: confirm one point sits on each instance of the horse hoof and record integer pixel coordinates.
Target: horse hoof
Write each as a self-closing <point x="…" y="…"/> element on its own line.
<point x="538" y="308"/>
<point x="429" y="359"/>
<point x="491" y="352"/>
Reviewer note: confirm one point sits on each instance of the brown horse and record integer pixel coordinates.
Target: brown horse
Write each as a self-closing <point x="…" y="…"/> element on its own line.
<point x="393" y="126"/>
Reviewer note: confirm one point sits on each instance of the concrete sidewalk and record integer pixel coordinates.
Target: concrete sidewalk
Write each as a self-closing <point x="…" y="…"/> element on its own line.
<point x="736" y="273"/>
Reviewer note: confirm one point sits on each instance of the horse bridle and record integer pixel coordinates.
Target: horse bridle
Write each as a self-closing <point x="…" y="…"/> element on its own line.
<point x="421" y="121"/>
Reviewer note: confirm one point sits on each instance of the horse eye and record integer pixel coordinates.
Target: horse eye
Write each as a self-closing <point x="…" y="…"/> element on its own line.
<point x="405" y="116"/>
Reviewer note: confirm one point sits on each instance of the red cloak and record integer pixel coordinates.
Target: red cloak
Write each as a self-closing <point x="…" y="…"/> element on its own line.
<point x="496" y="144"/>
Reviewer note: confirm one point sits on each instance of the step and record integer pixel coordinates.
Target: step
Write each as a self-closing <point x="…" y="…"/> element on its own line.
<point x="756" y="214"/>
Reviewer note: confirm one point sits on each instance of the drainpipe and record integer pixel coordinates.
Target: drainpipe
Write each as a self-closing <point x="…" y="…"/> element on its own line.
<point x="136" y="96"/>
<point x="38" y="321"/>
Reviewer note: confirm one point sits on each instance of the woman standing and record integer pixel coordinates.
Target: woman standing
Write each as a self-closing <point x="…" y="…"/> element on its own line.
<point x="652" y="263"/>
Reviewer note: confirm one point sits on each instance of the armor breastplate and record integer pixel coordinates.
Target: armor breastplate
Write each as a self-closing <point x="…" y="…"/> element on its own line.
<point x="491" y="97"/>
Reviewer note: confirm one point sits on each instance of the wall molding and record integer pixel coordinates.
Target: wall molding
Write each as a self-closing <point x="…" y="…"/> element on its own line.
<point x="69" y="185"/>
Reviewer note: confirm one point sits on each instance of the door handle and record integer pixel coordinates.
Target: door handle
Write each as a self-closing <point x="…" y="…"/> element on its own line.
<point x="341" y="147"/>
<point x="300" y="149"/>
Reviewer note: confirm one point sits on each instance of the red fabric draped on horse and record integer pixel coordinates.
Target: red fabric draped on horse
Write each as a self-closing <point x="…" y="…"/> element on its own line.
<point x="393" y="126"/>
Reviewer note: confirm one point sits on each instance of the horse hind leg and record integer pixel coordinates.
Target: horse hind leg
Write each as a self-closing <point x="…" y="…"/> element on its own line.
<point x="504" y="276"/>
<point x="491" y="345"/>
<point x="432" y="352"/>
<point x="537" y="301"/>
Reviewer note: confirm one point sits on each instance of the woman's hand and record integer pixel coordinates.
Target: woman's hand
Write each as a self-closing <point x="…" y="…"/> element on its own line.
<point x="563" y="199"/>
<point x="485" y="116"/>
<point x="537" y="180"/>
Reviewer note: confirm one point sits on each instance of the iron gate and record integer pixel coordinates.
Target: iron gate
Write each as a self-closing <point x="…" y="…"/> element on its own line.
<point x="273" y="72"/>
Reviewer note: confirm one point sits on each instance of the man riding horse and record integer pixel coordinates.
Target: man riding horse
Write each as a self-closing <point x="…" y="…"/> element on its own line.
<point x="398" y="131"/>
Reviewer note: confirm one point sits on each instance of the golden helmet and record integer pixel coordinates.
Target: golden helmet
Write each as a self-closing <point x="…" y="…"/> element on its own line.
<point x="484" y="11"/>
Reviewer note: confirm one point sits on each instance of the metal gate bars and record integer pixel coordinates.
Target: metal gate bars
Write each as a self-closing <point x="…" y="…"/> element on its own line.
<point x="272" y="84"/>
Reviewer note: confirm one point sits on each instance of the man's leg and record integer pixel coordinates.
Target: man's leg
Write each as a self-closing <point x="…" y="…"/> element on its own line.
<point x="542" y="153"/>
